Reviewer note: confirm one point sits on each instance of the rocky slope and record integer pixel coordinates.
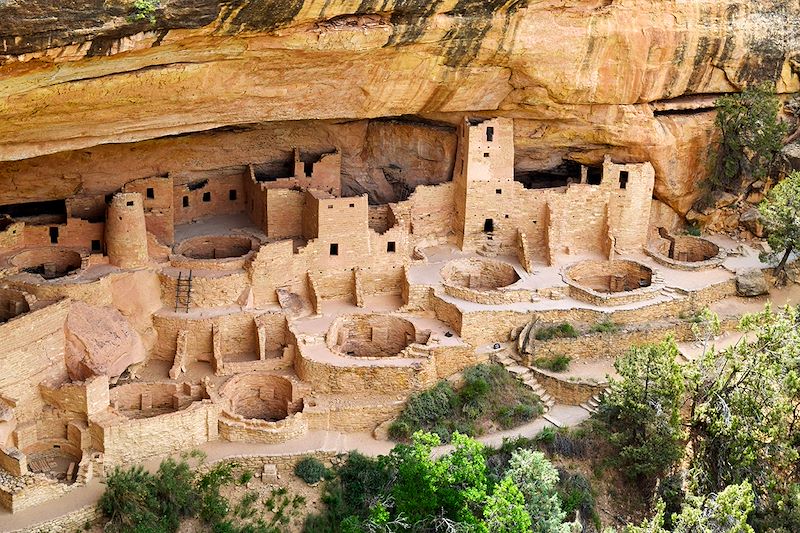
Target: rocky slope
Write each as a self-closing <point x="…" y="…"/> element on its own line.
<point x="634" y="78"/>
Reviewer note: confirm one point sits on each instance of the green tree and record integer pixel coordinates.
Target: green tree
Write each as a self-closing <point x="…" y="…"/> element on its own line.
<point x="726" y="512"/>
<point x="750" y="135"/>
<point x="642" y="410"/>
<point x="537" y="478"/>
<point x="745" y="409"/>
<point x="780" y="212"/>
<point x="505" y="512"/>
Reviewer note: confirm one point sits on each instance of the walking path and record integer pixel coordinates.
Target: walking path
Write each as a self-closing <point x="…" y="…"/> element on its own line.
<point x="314" y="441"/>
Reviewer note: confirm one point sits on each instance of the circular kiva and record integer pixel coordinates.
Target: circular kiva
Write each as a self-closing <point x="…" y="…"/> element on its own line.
<point x="215" y="247"/>
<point x="479" y="274"/>
<point x="48" y="262"/>
<point x="370" y="335"/>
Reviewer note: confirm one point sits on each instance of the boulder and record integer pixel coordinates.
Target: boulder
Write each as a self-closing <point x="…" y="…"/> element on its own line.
<point x="99" y="342"/>
<point x="751" y="282"/>
<point x="751" y="219"/>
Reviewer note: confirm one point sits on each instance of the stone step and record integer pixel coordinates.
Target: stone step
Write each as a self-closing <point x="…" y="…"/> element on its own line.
<point x="518" y="369"/>
<point x="588" y="408"/>
<point x="553" y="421"/>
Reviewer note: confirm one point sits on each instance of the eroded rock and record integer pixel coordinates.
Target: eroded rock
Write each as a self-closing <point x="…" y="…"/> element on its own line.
<point x="99" y="341"/>
<point x="751" y="282"/>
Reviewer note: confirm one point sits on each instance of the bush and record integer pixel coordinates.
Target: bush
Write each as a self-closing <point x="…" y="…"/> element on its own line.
<point x="605" y="326"/>
<point x="556" y="363"/>
<point x="693" y="230"/>
<point x="575" y="494"/>
<point x="489" y="393"/>
<point x="564" y="330"/>
<point x="311" y="470"/>
<point x="144" y="10"/>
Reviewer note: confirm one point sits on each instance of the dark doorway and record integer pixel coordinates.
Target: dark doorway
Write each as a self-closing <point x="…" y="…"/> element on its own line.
<point x="53" y="235"/>
<point x="488" y="225"/>
<point x="594" y="175"/>
<point x="334" y="249"/>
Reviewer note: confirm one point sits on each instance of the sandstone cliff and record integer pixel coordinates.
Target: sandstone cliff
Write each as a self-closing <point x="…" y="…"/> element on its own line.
<point x="634" y="78"/>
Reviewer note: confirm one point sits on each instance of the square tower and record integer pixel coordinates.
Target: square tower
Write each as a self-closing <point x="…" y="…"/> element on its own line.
<point x="483" y="182"/>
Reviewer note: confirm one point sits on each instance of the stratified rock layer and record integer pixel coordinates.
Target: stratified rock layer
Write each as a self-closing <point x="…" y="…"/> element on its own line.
<point x="582" y="77"/>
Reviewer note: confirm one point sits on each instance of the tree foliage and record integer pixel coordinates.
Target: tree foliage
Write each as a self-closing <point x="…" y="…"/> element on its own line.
<point x="780" y="213"/>
<point x="746" y="407"/>
<point x="642" y="410"/>
<point x="537" y="480"/>
<point x="750" y="135"/>
<point x="726" y="512"/>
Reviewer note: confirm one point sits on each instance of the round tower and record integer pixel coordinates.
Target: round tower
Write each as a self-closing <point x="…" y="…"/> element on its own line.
<point x="126" y="234"/>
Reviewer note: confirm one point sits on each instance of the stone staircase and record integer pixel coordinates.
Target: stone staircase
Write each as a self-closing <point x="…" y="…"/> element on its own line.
<point x="593" y="404"/>
<point x="526" y="376"/>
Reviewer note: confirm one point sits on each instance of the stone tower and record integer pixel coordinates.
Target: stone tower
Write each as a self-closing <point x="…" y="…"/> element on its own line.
<point x="126" y="234"/>
<point x="484" y="182"/>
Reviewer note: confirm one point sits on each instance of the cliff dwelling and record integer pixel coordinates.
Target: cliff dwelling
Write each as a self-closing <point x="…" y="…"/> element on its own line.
<point x="251" y="306"/>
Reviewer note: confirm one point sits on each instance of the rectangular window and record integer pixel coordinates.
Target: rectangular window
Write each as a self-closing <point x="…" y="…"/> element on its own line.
<point x="485" y="154"/>
<point x="623" y="179"/>
<point x="490" y="133"/>
<point x="498" y="191"/>
<point x="334" y="249"/>
<point x="151" y="193"/>
<point x="53" y="235"/>
<point x="232" y="195"/>
<point x="129" y="203"/>
<point x="390" y="247"/>
<point x="206" y="196"/>
<point x="330" y="206"/>
<point x="95" y="245"/>
<point x="185" y="201"/>
<point x="352" y="205"/>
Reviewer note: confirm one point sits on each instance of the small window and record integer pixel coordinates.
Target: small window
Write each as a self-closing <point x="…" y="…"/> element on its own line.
<point x="330" y="206"/>
<point x="151" y="193"/>
<point x="95" y="245"/>
<point x="54" y="235"/>
<point x="390" y="247"/>
<point x="506" y="216"/>
<point x="232" y="195"/>
<point x="498" y="191"/>
<point x="488" y="225"/>
<point x="623" y="179"/>
<point x="490" y="133"/>
<point x="129" y="203"/>
<point x="185" y="201"/>
<point x="485" y="154"/>
<point x="352" y="205"/>
<point x="334" y="249"/>
<point x="206" y="196"/>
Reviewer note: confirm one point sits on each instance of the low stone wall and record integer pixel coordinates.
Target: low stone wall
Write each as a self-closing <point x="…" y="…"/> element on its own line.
<point x="607" y="345"/>
<point x="489" y="297"/>
<point x="217" y="290"/>
<point x="68" y="523"/>
<point x="567" y="391"/>
<point x="18" y="493"/>
<point x="124" y="440"/>
<point x="240" y="429"/>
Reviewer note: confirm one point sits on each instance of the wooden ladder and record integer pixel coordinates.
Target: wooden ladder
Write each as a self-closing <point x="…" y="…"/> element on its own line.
<point x="183" y="292"/>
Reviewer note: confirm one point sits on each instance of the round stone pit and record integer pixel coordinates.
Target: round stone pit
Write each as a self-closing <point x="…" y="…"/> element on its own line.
<point x="613" y="282"/>
<point x="370" y="335"/>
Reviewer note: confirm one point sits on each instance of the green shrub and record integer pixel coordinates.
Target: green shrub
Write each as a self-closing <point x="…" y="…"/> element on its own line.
<point x="144" y="10"/>
<point x="311" y="470"/>
<point x="693" y="230"/>
<point x="565" y="330"/>
<point x="556" y="363"/>
<point x="605" y="326"/>
<point x="575" y="494"/>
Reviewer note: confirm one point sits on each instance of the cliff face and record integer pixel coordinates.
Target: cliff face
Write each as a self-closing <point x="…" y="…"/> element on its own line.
<point x="633" y="78"/>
